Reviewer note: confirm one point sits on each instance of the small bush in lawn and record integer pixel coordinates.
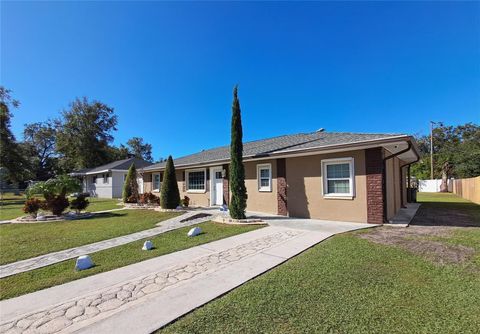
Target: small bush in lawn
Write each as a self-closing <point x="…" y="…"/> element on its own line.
<point x="80" y="203"/>
<point x="58" y="204"/>
<point x="32" y="205"/>
<point x="131" y="199"/>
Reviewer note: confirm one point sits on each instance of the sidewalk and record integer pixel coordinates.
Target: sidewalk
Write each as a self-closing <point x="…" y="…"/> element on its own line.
<point x="145" y="296"/>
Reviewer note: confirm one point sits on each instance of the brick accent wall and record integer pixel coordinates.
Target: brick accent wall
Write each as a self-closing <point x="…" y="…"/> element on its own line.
<point x="374" y="170"/>
<point x="226" y="186"/>
<point x="282" y="187"/>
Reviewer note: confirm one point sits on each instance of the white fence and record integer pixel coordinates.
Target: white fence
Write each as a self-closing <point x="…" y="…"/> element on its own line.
<point x="433" y="186"/>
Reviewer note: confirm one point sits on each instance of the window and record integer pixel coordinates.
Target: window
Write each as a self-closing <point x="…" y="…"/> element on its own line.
<point x="94" y="179"/>
<point x="196" y="180"/>
<point x="264" y="176"/>
<point x="338" y="180"/>
<point x="124" y="177"/>
<point x="105" y="177"/>
<point x="156" y="182"/>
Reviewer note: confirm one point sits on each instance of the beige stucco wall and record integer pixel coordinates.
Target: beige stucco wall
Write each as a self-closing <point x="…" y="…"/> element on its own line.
<point x="304" y="192"/>
<point x="260" y="201"/>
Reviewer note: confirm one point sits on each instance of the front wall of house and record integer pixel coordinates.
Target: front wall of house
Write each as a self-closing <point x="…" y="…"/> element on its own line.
<point x="260" y="201"/>
<point x="99" y="189"/>
<point x="305" y="194"/>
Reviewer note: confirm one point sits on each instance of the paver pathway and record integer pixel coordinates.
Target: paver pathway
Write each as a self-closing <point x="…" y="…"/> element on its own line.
<point x="51" y="258"/>
<point x="148" y="295"/>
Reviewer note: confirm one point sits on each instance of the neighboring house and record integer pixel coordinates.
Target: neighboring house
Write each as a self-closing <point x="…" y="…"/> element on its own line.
<point x="332" y="176"/>
<point x="107" y="181"/>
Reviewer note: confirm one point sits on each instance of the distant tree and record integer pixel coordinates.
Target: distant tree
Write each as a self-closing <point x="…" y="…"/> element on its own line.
<point x="118" y="153"/>
<point x="14" y="165"/>
<point x="130" y="187"/>
<point x="238" y="202"/>
<point x="40" y="140"/>
<point x="459" y="146"/>
<point x="85" y="133"/>
<point x="139" y="149"/>
<point x="170" y="195"/>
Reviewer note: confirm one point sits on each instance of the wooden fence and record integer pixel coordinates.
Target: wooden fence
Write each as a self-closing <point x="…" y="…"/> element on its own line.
<point x="468" y="188"/>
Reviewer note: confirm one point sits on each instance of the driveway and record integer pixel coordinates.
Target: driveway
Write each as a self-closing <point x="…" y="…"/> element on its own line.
<point x="145" y="296"/>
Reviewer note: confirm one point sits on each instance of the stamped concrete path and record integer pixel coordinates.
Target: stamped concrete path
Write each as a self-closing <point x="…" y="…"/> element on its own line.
<point x="51" y="258"/>
<point x="145" y="296"/>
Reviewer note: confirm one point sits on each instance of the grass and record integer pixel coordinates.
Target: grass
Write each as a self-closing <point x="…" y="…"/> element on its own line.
<point x="23" y="241"/>
<point x="11" y="205"/>
<point x="441" y="201"/>
<point x="351" y="285"/>
<point x="116" y="257"/>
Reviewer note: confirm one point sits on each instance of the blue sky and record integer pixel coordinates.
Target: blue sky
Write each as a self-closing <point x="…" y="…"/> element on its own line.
<point x="168" y="69"/>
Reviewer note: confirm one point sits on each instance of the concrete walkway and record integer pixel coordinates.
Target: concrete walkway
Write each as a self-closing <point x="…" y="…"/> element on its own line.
<point x="145" y="296"/>
<point x="51" y="258"/>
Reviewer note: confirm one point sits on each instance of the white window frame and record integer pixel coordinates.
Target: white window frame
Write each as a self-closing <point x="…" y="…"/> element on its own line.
<point x="159" y="182"/>
<point x="105" y="178"/>
<point x="327" y="162"/>
<point x="259" y="183"/>
<point x="200" y="191"/>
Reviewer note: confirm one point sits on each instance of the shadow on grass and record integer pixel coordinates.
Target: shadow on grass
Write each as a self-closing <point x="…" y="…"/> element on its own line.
<point x="447" y="214"/>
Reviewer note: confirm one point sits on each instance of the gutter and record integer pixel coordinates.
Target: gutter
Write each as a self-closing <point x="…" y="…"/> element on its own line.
<point x="384" y="178"/>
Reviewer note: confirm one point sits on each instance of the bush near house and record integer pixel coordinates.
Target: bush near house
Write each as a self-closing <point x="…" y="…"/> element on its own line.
<point x="185" y="202"/>
<point x="130" y="187"/>
<point x="149" y="198"/>
<point x="170" y="195"/>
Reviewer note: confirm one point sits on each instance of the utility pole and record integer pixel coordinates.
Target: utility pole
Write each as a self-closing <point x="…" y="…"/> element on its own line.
<point x="431" y="150"/>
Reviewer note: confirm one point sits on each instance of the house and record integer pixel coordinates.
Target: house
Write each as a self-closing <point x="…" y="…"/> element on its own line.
<point x="333" y="176"/>
<point x="107" y="181"/>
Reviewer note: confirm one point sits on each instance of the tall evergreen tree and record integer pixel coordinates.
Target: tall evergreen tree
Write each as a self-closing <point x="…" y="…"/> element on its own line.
<point x="169" y="196"/>
<point x="238" y="203"/>
<point x="130" y="187"/>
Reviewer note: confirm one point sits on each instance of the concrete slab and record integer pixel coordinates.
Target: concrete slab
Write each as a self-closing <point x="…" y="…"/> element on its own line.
<point x="404" y="215"/>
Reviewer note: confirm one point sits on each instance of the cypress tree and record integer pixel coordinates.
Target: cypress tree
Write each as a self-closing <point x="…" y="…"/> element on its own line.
<point x="130" y="187"/>
<point x="169" y="196"/>
<point x="238" y="202"/>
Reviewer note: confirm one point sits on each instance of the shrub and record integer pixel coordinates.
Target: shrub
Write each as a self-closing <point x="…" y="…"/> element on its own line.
<point x="80" y="203"/>
<point x="170" y="196"/>
<point x="57" y="204"/>
<point x="185" y="201"/>
<point x="32" y="205"/>
<point x="149" y="198"/>
<point x="130" y="187"/>
<point x="131" y="199"/>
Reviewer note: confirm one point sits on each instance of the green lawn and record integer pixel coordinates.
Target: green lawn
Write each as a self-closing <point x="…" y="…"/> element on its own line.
<point x="23" y="241"/>
<point x="11" y="206"/>
<point x="351" y="285"/>
<point x="115" y="257"/>
<point x="446" y="202"/>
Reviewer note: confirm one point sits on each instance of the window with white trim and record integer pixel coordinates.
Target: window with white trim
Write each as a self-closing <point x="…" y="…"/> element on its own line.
<point x="264" y="177"/>
<point x="338" y="177"/>
<point x="105" y="177"/>
<point x="156" y="182"/>
<point x="196" y="180"/>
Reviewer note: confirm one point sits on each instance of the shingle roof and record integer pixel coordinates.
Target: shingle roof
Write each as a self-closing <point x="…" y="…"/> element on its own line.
<point x="266" y="147"/>
<point x="117" y="165"/>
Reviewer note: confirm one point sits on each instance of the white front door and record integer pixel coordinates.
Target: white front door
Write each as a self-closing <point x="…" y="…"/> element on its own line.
<point x="216" y="186"/>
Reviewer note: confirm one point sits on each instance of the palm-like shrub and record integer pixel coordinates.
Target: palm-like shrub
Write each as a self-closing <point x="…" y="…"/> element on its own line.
<point x="55" y="191"/>
<point x="32" y="205"/>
